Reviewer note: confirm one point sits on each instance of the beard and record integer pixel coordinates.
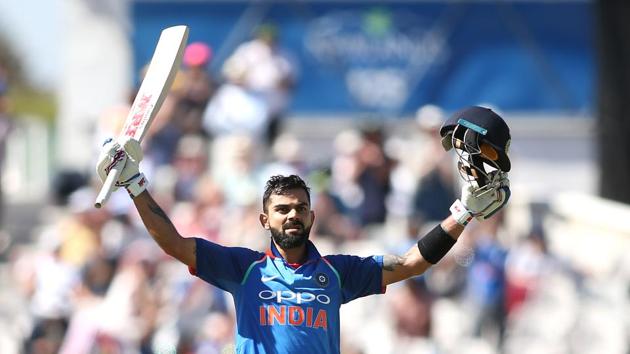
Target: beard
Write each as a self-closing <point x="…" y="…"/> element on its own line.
<point x="289" y="241"/>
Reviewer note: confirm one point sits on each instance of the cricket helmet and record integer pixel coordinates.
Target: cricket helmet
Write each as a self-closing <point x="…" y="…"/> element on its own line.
<point x="481" y="139"/>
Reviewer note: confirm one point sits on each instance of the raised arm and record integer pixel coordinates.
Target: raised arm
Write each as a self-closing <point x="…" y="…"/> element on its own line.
<point x="163" y="231"/>
<point x="437" y="242"/>
<point x="154" y="218"/>
<point x="412" y="263"/>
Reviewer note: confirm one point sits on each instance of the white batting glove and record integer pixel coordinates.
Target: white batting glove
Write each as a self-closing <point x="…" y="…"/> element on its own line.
<point x="481" y="203"/>
<point x="127" y="153"/>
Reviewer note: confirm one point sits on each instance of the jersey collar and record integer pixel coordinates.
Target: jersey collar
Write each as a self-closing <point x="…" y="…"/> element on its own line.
<point x="311" y="254"/>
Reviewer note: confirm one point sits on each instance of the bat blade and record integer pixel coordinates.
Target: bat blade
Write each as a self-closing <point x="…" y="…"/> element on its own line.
<point x="157" y="82"/>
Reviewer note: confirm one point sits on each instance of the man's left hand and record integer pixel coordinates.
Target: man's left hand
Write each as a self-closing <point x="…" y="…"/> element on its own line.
<point x="485" y="202"/>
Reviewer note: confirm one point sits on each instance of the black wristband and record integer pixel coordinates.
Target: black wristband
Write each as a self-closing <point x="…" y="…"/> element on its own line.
<point x="435" y="245"/>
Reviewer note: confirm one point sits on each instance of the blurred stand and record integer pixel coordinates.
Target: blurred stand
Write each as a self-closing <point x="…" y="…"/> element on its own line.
<point x="6" y="126"/>
<point x="550" y="276"/>
<point x="95" y="40"/>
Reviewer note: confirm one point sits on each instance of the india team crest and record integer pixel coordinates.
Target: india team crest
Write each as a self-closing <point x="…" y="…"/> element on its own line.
<point x="322" y="280"/>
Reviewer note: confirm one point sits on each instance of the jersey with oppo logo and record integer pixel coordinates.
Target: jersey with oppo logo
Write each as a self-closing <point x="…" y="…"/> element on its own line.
<point x="287" y="308"/>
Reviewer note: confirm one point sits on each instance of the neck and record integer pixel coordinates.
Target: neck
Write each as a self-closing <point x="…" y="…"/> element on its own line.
<point x="293" y="255"/>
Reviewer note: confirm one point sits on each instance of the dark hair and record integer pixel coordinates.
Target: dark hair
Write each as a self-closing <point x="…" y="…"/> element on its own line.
<point x="281" y="185"/>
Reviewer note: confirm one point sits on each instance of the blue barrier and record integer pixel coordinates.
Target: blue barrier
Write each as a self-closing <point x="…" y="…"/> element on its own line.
<point x="391" y="57"/>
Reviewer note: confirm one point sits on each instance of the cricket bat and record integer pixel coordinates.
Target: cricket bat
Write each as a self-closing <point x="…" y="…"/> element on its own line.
<point x="163" y="67"/>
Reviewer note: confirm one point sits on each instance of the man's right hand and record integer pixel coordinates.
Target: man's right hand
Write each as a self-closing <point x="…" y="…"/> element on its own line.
<point x="126" y="153"/>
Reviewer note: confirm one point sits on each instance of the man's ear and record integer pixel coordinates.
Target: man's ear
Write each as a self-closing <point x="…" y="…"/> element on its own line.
<point x="264" y="220"/>
<point x="312" y="217"/>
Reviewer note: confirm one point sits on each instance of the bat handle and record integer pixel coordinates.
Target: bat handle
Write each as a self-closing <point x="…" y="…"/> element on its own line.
<point x="108" y="186"/>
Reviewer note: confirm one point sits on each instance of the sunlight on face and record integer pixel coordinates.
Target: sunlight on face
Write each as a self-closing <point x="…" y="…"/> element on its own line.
<point x="289" y="218"/>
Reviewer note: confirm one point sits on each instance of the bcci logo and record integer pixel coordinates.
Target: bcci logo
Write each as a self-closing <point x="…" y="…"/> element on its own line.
<point x="322" y="280"/>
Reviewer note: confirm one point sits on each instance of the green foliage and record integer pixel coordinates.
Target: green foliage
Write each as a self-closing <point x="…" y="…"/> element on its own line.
<point x="24" y="99"/>
<point x="31" y="102"/>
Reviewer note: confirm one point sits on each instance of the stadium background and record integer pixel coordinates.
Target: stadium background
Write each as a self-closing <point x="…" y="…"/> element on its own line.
<point x="358" y="64"/>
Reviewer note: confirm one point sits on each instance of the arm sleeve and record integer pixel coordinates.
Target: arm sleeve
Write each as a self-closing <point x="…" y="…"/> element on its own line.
<point x="359" y="276"/>
<point x="223" y="267"/>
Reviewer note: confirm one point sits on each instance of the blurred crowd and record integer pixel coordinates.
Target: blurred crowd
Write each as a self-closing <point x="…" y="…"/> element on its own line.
<point x="93" y="281"/>
<point x="6" y="125"/>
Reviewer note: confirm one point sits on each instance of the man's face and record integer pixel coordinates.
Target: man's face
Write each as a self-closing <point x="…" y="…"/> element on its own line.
<point x="289" y="218"/>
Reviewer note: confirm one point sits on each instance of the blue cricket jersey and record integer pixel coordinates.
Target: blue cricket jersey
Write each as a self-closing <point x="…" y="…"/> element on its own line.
<point x="287" y="308"/>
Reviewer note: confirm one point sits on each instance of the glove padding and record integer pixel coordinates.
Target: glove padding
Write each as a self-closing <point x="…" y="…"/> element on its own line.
<point x="128" y="154"/>
<point x="485" y="202"/>
<point x="482" y="203"/>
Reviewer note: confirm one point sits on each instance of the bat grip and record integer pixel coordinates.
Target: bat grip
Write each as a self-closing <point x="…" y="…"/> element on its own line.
<point x="108" y="186"/>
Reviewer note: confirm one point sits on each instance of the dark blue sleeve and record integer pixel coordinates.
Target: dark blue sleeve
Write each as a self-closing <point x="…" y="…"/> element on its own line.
<point x="223" y="267"/>
<point x="359" y="276"/>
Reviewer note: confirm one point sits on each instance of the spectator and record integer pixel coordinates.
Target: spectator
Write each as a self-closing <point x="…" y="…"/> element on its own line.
<point x="265" y="70"/>
<point x="361" y="175"/>
<point x="411" y="305"/>
<point x="190" y="163"/>
<point x="331" y="222"/>
<point x="80" y="232"/>
<point x="437" y="182"/>
<point x="216" y="334"/>
<point x="165" y="130"/>
<point x="526" y="265"/>
<point x="198" y="87"/>
<point x="344" y="169"/>
<point x="236" y="170"/>
<point x="50" y="284"/>
<point x="372" y="177"/>
<point x="287" y="156"/>
<point x="205" y="212"/>
<point x="486" y="281"/>
<point x="83" y="327"/>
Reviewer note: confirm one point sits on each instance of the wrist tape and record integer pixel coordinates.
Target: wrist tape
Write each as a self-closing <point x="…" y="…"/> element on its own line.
<point x="136" y="185"/>
<point x="435" y="245"/>
<point x="460" y="213"/>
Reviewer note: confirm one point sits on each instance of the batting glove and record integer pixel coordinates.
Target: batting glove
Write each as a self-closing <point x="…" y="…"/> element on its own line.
<point x="481" y="203"/>
<point x="126" y="153"/>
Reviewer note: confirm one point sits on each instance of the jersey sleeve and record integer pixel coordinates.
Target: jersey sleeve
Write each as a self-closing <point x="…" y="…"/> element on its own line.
<point x="221" y="266"/>
<point x="359" y="276"/>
